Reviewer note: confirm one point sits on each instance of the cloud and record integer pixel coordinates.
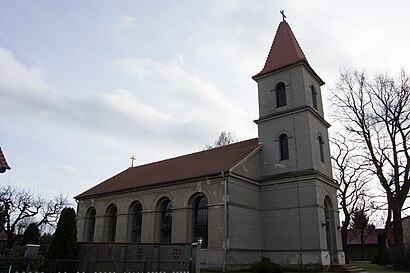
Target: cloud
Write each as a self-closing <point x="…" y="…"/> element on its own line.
<point x="182" y="96"/>
<point x="68" y="170"/>
<point x="168" y="102"/>
<point x="121" y="27"/>
<point x="222" y="39"/>
<point x="125" y="23"/>
<point x="23" y="89"/>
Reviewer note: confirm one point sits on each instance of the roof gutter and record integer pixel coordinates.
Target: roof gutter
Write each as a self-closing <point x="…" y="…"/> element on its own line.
<point x="226" y="238"/>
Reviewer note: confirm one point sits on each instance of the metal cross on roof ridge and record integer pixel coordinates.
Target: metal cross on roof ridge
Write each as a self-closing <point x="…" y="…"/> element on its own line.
<point x="283" y="15"/>
<point x="132" y="161"/>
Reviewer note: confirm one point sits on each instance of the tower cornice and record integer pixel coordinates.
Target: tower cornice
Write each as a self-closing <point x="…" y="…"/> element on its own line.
<point x="292" y="112"/>
<point x="303" y="63"/>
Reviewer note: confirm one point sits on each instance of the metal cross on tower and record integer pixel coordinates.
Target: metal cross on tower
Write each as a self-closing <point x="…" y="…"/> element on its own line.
<point x="283" y="15"/>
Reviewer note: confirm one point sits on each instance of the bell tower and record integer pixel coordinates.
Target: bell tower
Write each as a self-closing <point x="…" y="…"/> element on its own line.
<point x="295" y="164"/>
<point x="291" y="124"/>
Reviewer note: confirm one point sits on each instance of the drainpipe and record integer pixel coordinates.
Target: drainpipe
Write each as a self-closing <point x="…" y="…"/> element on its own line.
<point x="225" y="221"/>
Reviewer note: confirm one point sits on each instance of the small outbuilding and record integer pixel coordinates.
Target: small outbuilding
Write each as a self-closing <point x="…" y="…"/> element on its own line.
<point x="3" y="163"/>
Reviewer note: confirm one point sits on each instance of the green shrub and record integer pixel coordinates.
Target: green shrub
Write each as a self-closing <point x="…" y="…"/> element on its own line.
<point x="265" y="265"/>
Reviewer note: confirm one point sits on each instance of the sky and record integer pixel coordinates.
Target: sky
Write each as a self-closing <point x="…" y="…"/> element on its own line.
<point x="84" y="85"/>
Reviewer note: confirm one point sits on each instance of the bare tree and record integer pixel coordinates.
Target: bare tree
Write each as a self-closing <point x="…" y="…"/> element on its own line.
<point x="353" y="175"/>
<point x="377" y="112"/>
<point x="21" y="206"/>
<point x="223" y="139"/>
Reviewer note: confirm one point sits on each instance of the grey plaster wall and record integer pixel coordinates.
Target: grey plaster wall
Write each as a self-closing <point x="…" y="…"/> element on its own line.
<point x="298" y="80"/>
<point x="181" y="196"/>
<point x="244" y="215"/>
<point x="249" y="167"/>
<point x="292" y="217"/>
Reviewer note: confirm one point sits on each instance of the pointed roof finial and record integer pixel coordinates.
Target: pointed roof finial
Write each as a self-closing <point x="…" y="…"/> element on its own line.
<point x="283" y="15"/>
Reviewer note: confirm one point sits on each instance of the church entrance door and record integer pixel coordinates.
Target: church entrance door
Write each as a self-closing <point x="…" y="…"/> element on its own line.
<point x="330" y="230"/>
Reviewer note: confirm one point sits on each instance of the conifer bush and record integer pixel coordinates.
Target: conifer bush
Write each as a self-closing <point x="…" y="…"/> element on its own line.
<point x="64" y="244"/>
<point x="31" y="235"/>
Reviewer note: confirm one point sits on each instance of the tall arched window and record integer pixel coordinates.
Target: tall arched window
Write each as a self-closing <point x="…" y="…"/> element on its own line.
<point x="136" y="222"/>
<point x="112" y="223"/>
<point x="321" y="148"/>
<point x="280" y="94"/>
<point x="90" y="225"/>
<point x="283" y="146"/>
<point x="314" y="96"/>
<point x="166" y="222"/>
<point x="201" y="220"/>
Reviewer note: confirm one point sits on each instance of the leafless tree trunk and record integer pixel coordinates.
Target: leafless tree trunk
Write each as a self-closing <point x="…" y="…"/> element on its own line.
<point x="377" y="112"/>
<point x="352" y="174"/>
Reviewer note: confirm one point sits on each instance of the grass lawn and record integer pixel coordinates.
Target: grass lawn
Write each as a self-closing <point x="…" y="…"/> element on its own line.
<point x="366" y="265"/>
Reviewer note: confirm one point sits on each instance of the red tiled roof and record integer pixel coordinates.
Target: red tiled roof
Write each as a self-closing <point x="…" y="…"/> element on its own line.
<point x="3" y="163"/>
<point x="285" y="50"/>
<point x="369" y="235"/>
<point x="200" y="164"/>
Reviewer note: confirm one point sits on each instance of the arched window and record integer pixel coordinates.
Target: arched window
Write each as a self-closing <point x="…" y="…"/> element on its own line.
<point x="280" y="94"/>
<point x="314" y="96"/>
<point x="321" y="148"/>
<point x="90" y="225"/>
<point x="136" y="222"/>
<point x="283" y="146"/>
<point x="166" y="222"/>
<point x="112" y="224"/>
<point x="201" y="221"/>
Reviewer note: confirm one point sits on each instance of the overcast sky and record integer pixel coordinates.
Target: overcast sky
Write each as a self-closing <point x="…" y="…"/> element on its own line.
<point x="86" y="84"/>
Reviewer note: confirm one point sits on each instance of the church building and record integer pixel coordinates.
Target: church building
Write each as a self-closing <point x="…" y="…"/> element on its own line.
<point x="271" y="196"/>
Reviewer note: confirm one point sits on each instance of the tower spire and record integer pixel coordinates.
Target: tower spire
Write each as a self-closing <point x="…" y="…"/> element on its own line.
<point x="285" y="50"/>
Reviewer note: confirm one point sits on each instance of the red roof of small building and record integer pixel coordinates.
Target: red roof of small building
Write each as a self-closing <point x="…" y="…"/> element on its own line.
<point x="369" y="235"/>
<point x="3" y="163"/>
<point x="195" y="165"/>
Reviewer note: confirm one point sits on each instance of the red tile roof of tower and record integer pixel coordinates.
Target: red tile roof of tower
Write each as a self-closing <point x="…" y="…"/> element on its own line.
<point x="285" y="50"/>
<point x="3" y="163"/>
